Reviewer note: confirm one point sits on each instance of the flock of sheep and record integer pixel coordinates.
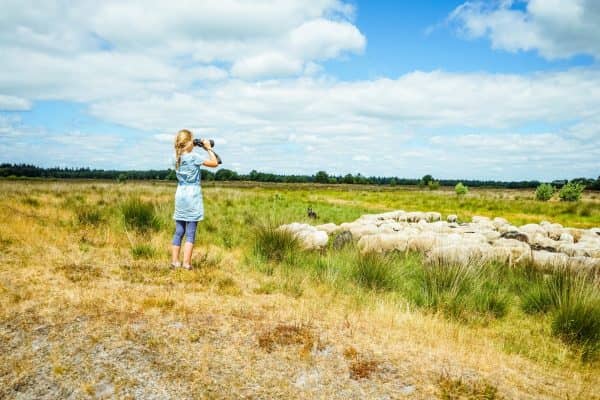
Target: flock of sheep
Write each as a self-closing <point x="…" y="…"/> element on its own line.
<point x="546" y="245"/>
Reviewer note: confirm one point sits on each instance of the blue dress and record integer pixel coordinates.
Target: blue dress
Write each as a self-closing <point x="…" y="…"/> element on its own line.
<point x="188" y="197"/>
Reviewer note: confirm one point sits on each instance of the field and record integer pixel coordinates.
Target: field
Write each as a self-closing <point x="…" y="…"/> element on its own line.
<point x="90" y="309"/>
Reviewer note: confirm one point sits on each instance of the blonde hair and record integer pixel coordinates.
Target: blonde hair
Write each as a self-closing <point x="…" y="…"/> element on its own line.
<point x="182" y="140"/>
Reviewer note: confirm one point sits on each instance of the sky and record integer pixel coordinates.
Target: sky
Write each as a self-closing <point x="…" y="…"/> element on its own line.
<point x="503" y="90"/>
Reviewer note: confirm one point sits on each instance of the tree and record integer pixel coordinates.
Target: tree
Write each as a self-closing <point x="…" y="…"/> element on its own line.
<point x="544" y="192"/>
<point x="426" y="179"/>
<point x="348" y="178"/>
<point x="322" y="177"/>
<point x="461" y="189"/>
<point x="571" y="191"/>
<point x="225" y="174"/>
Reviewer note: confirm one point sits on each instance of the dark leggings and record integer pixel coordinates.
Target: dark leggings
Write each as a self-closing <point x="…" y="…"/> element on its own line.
<point x="187" y="227"/>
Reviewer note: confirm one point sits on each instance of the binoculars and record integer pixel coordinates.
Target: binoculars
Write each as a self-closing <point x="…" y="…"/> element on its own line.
<point x="198" y="142"/>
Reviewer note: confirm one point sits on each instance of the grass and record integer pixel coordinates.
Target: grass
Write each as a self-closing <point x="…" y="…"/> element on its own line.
<point x="94" y="286"/>
<point x="139" y="215"/>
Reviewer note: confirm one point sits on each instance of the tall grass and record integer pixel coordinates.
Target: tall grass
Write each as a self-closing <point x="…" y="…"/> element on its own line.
<point x="376" y="271"/>
<point x="139" y="215"/>
<point x="274" y="245"/>
<point x="573" y="298"/>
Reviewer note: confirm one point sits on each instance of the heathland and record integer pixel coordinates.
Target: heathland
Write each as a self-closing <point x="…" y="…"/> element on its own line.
<point x="90" y="309"/>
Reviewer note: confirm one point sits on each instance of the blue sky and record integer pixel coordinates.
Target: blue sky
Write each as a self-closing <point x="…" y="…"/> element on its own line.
<point x="483" y="90"/>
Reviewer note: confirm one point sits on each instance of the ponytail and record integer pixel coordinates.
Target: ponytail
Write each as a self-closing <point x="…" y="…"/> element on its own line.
<point x="182" y="140"/>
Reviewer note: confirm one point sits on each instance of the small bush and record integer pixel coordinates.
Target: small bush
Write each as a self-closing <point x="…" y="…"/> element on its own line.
<point x="544" y="192"/>
<point x="273" y="244"/>
<point x="433" y="185"/>
<point x="461" y="189"/>
<point x="571" y="191"/>
<point x="139" y="215"/>
<point x="143" y="251"/>
<point x="376" y="271"/>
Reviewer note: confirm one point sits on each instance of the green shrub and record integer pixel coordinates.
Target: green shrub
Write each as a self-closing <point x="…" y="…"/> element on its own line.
<point x="544" y="192"/>
<point x="143" y="251"/>
<point x="376" y="271"/>
<point x="461" y="189"/>
<point x="433" y="185"/>
<point x="274" y="244"/>
<point x="138" y="214"/>
<point x="571" y="191"/>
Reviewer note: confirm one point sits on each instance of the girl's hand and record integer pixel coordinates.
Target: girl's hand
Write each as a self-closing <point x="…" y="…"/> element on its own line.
<point x="206" y="144"/>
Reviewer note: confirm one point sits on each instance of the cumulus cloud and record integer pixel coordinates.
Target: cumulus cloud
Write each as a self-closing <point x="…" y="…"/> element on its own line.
<point x="554" y="28"/>
<point x="248" y="74"/>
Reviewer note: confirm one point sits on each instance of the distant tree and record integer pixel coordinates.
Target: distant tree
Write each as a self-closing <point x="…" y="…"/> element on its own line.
<point x="544" y="192"/>
<point x="571" y="191"/>
<point x="122" y="177"/>
<point x="322" y="177"/>
<point x="348" y="178"/>
<point x="426" y="179"/>
<point x="171" y="175"/>
<point x="393" y="182"/>
<point x="225" y="174"/>
<point x="461" y="189"/>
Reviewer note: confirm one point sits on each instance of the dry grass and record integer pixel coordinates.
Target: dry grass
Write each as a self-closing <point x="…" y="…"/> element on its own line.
<point x="82" y="316"/>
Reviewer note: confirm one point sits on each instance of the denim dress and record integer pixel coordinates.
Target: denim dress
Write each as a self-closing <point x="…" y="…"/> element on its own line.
<point x="188" y="197"/>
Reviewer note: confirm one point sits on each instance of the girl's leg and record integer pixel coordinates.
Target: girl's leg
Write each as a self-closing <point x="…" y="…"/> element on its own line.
<point x="190" y="236"/>
<point x="177" y="237"/>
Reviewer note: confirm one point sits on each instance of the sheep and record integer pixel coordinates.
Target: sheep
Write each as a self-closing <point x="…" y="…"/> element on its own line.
<point x="566" y="237"/>
<point x="516" y="250"/>
<point x="422" y="242"/>
<point x="452" y="218"/>
<point x="433" y="216"/>
<point x="498" y="222"/>
<point x="383" y="242"/>
<point x="476" y="219"/>
<point x="554" y="231"/>
<point x="459" y="254"/>
<point x="309" y="236"/>
<point x="547" y="260"/>
<point x="329" y="227"/>
<point x="531" y="230"/>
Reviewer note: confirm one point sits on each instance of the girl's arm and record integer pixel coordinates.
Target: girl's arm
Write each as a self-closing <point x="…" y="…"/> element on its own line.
<point x="212" y="161"/>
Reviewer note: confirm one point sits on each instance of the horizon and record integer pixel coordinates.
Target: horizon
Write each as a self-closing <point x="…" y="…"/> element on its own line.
<point x="503" y="90"/>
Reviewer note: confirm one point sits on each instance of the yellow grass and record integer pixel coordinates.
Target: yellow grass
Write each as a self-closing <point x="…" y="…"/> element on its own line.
<point x="81" y="316"/>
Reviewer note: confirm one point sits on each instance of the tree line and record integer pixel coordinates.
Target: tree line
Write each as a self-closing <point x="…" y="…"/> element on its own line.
<point x="32" y="171"/>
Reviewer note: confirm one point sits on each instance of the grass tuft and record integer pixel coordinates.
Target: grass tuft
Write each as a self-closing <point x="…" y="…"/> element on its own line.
<point x="457" y="388"/>
<point x="272" y="244"/>
<point x="139" y="215"/>
<point x="376" y="271"/>
<point x="143" y="251"/>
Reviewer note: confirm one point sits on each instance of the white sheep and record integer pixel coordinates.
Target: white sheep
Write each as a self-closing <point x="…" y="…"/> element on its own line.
<point x="383" y="242"/>
<point x="452" y="218"/>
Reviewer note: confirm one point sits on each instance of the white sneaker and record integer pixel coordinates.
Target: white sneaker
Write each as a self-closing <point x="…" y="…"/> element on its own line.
<point x="175" y="265"/>
<point x="188" y="267"/>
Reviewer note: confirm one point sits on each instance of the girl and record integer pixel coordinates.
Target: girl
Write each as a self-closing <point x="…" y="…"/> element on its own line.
<point x="188" y="197"/>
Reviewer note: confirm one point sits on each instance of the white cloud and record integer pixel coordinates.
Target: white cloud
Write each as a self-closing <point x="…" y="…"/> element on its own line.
<point x="12" y="103"/>
<point x="554" y="28"/>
